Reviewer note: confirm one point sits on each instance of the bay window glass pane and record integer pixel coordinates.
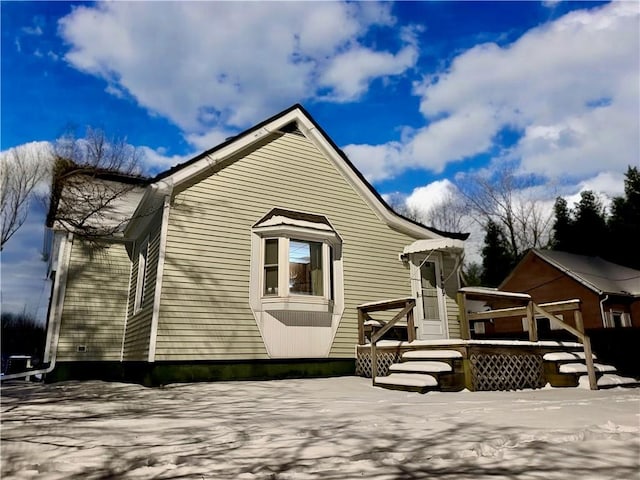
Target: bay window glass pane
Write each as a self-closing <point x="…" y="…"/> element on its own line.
<point x="305" y="268"/>
<point x="271" y="266"/>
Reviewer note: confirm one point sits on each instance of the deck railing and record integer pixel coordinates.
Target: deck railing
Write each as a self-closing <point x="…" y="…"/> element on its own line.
<point x="364" y="315"/>
<point x="525" y="307"/>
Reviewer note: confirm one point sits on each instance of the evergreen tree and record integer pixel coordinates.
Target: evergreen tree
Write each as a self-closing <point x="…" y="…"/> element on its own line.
<point x="562" y="227"/>
<point x="497" y="259"/>
<point x="472" y="274"/>
<point x="589" y="226"/>
<point x="624" y="223"/>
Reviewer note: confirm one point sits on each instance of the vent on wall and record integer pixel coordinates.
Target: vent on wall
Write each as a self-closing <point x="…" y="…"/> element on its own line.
<point x="292" y="128"/>
<point x="81" y="348"/>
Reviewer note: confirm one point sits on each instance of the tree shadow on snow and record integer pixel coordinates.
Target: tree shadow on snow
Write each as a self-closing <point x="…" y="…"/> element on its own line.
<point x="259" y="430"/>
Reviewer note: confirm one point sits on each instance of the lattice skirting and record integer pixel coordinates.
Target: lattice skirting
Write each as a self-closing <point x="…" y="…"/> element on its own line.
<point x="506" y="372"/>
<point x="385" y="360"/>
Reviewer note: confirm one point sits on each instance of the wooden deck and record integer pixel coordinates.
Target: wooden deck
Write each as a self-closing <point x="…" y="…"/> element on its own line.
<point x="475" y="364"/>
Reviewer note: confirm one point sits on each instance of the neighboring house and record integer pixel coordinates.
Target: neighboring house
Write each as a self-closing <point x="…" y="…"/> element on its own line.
<point x="248" y="260"/>
<point x="609" y="293"/>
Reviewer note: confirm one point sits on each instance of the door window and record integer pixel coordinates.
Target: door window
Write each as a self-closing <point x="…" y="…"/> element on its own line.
<point x="429" y="290"/>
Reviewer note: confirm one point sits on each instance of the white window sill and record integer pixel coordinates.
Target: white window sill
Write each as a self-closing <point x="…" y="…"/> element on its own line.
<point x="305" y="303"/>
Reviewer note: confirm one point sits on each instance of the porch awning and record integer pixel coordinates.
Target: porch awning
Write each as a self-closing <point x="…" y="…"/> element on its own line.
<point x="443" y="244"/>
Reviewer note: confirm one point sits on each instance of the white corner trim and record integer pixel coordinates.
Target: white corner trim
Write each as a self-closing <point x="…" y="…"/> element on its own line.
<point x="57" y="298"/>
<point x="126" y="310"/>
<point x="164" y="228"/>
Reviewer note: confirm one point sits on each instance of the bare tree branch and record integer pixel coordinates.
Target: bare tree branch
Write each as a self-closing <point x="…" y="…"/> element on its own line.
<point x="449" y="215"/>
<point x="22" y="168"/>
<point x="503" y="198"/>
<point x="92" y="178"/>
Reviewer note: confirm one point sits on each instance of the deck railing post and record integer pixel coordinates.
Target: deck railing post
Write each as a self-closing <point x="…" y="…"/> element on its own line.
<point x="588" y="355"/>
<point x="361" y="316"/>
<point x="374" y="363"/>
<point x="533" y="324"/>
<point x="465" y="331"/>
<point x="411" y="328"/>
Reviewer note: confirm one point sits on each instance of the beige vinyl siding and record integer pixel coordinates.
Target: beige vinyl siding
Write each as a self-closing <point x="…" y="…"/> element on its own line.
<point x="450" y="290"/>
<point x="204" y="310"/>
<point x="95" y="302"/>
<point x="138" y="330"/>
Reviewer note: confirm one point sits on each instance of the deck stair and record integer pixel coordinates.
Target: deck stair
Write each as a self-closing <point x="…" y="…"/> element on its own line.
<point x="568" y="369"/>
<point x="425" y="370"/>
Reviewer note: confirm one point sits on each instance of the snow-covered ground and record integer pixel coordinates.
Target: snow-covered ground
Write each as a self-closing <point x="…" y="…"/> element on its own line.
<point x="338" y="428"/>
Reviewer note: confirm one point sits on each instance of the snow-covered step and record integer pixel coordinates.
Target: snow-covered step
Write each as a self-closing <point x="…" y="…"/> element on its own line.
<point x="565" y="356"/>
<point x="431" y="355"/>
<point x="421" y="367"/>
<point x="609" y="380"/>
<point x="407" y="381"/>
<point x="582" y="368"/>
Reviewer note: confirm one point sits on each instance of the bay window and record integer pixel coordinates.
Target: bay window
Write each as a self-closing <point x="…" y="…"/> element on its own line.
<point x="299" y="270"/>
<point x="297" y="256"/>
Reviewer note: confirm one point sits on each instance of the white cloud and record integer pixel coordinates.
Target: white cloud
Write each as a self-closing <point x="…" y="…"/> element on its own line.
<point x="155" y="161"/>
<point x="211" y="138"/>
<point x="350" y="73"/>
<point x="35" y="30"/>
<point x="211" y="64"/>
<point x="376" y="162"/>
<point x="426" y="197"/>
<point x="572" y="87"/>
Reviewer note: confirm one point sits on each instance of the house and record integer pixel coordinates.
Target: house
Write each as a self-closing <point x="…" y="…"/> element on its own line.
<point x="609" y="293"/>
<point x="246" y="261"/>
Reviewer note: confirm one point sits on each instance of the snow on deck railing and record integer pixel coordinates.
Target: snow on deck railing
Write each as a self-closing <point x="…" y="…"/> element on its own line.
<point x="364" y="310"/>
<point x="525" y="307"/>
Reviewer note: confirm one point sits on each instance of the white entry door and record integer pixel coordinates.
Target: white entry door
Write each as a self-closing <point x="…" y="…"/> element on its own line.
<point x="430" y="312"/>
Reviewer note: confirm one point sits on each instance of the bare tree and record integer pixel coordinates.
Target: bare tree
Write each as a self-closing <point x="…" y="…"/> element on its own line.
<point x="398" y="203"/>
<point x="91" y="182"/>
<point x="450" y="214"/>
<point x="504" y="197"/>
<point x="21" y="170"/>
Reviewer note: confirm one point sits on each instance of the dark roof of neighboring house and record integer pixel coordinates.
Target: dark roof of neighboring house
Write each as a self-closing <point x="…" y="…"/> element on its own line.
<point x="160" y="176"/>
<point x="594" y="272"/>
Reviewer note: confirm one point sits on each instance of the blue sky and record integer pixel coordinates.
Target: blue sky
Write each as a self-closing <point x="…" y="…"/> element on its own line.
<point x="414" y="92"/>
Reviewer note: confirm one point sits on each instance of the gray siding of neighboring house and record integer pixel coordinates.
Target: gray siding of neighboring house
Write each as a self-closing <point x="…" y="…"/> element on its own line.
<point x="95" y="303"/>
<point x="204" y="309"/>
<point x="138" y="328"/>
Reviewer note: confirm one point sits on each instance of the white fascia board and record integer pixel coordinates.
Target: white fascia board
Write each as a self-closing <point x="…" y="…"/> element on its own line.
<point x="190" y="171"/>
<point x="442" y="243"/>
<point x="379" y="209"/>
<point x="313" y="134"/>
<point x="152" y="200"/>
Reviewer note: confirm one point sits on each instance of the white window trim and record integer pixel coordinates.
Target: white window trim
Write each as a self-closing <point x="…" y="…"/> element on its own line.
<point x="285" y="300"/>
<point x="625" y="318"/>
<point x="143" y="257"/>
<point x="416" y="288"/>
<point x="291" y="229"/>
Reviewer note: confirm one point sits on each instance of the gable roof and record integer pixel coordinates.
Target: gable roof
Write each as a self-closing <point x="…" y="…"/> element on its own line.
<point x="296" y="120"/>
<point x="595" y="273"/>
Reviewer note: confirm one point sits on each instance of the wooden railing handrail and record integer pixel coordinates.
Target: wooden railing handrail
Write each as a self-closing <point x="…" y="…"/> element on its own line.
<point x="407" y="305"/>
<point x="529" y="310"/>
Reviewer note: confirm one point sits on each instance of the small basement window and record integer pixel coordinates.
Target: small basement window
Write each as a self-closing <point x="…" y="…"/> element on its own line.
<point x="619" y="319"/>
